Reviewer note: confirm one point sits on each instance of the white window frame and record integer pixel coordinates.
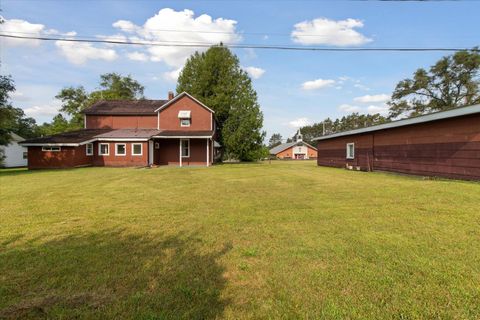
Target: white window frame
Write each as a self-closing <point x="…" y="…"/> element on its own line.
<point x="188" y="148"/>
<point x="52" y="149"/>
<point x="116" y="149"/>
<point x="348" y="155"/>
<point x="185" y="125"/>
<point x="100" y="149"/>
<point x="91" y="150"/>
<point x="141" y="149"/>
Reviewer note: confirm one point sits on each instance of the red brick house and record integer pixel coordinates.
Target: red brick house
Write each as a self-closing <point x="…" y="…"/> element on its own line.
<point x="296" y="150"/>
<point x="178" y="131"/>
<point x="444" y="144"/>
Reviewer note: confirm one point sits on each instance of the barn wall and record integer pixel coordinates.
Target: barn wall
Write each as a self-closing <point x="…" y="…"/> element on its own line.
<point x="445" y="148"/>
<point x="333" y="152"/>
<point x="121" y="122"/>
<point x="201" y="118"/>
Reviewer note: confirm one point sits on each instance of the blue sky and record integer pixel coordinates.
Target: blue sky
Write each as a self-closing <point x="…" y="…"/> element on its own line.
<point x="294" y="87"/>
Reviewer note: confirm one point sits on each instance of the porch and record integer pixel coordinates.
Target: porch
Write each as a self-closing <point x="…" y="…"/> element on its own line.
<point x="181" y="151"/>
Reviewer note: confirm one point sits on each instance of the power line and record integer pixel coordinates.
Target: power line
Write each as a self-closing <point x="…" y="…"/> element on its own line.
<point x="233" y="45"/>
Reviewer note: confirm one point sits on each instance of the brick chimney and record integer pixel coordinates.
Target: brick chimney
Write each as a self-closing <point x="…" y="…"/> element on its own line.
<point x="170" y="95"/>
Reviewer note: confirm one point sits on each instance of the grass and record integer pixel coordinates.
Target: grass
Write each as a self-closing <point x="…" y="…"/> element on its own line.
<point x="258" y="241"/>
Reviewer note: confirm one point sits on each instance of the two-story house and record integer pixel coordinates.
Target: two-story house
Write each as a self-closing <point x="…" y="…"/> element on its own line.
<point x="178" y="131"/>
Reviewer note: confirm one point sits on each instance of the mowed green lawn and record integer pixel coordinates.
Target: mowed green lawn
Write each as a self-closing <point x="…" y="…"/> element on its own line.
<point x="260" y="241"/>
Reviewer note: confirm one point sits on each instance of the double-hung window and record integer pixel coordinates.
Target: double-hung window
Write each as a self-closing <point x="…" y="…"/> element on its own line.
<point x="137" y="149"/>
<point x="103" y="149"/>
<point x="120" y="149"/>
<point x="351" y="150"/>
<point x="185" y="147"/>
<point x="89" y="149"/>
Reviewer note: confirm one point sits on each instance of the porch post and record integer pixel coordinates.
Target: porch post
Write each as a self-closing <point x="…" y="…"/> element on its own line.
<point x="180" y="151"/>
<point x="208" y="152"/>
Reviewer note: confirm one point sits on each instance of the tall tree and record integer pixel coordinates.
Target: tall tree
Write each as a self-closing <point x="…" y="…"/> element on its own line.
<point x="275" y="140"/>
<point x="450" y="83"/>
<point x="216" y="78"/>
<point x="112" y="87"/>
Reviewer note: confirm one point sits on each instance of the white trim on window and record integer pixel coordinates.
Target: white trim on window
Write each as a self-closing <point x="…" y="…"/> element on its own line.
<point x="52" y="149"/>
<point x="124" y="149"/>
<point x="351" y="150"/>
<point x="183" y="148"/>
<point x="133" y="149"/>
<point x="89" y="149"/>
<point x="187" y="124"/>
<point x="100" y="149"/>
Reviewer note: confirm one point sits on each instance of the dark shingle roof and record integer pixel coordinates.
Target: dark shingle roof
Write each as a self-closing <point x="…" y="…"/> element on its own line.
<point x="72" y="137"/>
<point x="125" y="107"/>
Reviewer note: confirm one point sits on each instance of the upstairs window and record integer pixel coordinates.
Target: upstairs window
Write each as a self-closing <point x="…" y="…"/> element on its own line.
<point x="103" y="149"/>
<point x="51" y="149"/>
<point x="120" y="149"/>
<point x="184" y="122"/>
<point x="351" y="150"/>
<point x="89" y="149"/>
<point x="185" y="118"/>
<point x="185" y="147"/>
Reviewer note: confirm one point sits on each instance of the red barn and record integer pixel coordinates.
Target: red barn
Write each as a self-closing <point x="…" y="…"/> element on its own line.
<point x="444" y="144"/>
<point x="178" y="131"/>
<point x="297" y="150"/>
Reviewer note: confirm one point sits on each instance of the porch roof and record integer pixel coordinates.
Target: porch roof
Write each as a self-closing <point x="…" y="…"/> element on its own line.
<point x="183" y="134"/>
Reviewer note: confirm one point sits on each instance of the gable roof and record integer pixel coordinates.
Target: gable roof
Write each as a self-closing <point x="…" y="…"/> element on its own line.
<point x="125" y="107"/>
<point x="457" y="112"/>
<point x="178" y="97"/>
<point x="287" y="145"/>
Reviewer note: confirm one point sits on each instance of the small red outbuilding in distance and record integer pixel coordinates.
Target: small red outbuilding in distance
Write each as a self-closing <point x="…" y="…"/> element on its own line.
<point x="297" y="150"/>
<point x="443" y="144"/>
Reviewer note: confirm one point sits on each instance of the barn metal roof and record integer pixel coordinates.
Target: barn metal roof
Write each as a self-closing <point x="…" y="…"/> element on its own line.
<point x="441" y="115"/>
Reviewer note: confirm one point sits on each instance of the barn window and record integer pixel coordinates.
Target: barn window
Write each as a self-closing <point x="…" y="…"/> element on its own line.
<point x="103" y="149"/>
<point x="185" y="148"/>
<point x="51" y="149"/>
<point x="351" y="150"/>
<point x="89" y="149"/>
<point x="120" y="149"/>
<point x="25" y="155"/>
<point x="136" y="149"/>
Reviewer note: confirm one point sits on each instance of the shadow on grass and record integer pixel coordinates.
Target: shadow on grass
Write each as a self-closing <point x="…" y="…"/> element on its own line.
<point x="112" y="275"/>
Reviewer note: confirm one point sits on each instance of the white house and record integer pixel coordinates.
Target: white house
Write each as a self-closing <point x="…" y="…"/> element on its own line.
<point x="15" y="154"/>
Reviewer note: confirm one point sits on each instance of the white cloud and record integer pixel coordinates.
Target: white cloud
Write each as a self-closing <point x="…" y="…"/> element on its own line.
<point x="19" y="96"/>
<point x="317" y="84"/>
<point x="172" y="75"/>
<point x="383" y="109"/>
<point x="361" y="86"/>
<point x="376" y="98"/>
<point x="212" y="31"/>
<point x="79" y="53"/>
<point x="347" y="108"/>
<point x="300" y="122"/>
<point x="137" y="56"/>
<point x="254" y="72"/>
<point x="42" y="110"/>
<point x="329" y="32"/>
<point x="21" y="28"/>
